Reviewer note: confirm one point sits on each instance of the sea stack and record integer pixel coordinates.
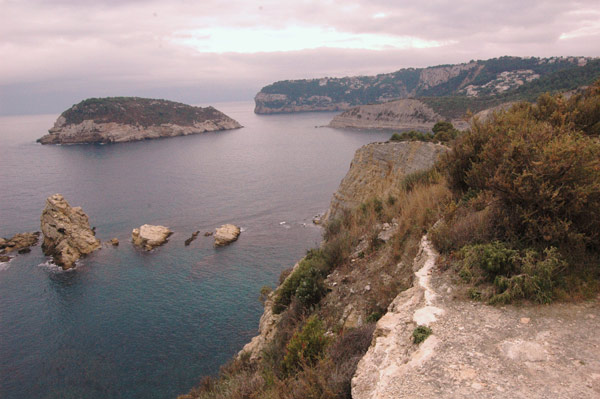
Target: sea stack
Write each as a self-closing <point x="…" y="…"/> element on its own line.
<point x="67" y="233"/>
<point x="148" y="237"/>
<point x="121" y="119"/>
<point x="226" y="234"/>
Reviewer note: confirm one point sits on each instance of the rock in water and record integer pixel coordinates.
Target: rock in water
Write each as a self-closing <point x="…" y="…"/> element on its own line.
<point x="226" y="234"/>
<point x="19" y="242"/>
<point x="120" y="119"/>
<point x="192" y="238"/>
<point x="67" y="232"/>
<point x="148" y="237"/>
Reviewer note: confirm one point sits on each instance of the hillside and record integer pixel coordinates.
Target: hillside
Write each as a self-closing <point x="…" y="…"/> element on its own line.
<point x="475" y="85"/>
<point x="478" y="277"/>
<point x="120" y="119"/>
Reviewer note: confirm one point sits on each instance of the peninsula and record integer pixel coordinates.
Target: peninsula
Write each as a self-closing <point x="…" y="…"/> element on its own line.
<point x="122" y="119"/>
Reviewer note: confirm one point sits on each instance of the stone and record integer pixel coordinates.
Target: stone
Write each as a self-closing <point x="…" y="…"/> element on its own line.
<point x="20" y="242"/>
<point x="67" y="233"/>
<point x="525" y="320"/>
<point x="4" y="258"/>
<point x="208" y="234"/>
<point x="148" y="237"/>
<point x="226" y="234"/>
<point x="192" y="238"/>
<point x="114" y="242"/>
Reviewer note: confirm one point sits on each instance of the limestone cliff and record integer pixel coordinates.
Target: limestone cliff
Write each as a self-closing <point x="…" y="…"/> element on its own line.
<point x="67" y="232"/>
<point x="393" y="115"/>
<point x="520" y="78"/>
<point x="376" y="167"/>
<point x="121" y="119"/>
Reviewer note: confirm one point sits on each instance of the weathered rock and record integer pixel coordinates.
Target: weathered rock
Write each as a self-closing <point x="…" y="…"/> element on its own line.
<point x="377" y="169"/>
<point x="226" y="234"/>
<point x="19" y="242"/>
<point x="4" y="258"/>
<point x="114" y="242"/>
<point x="121" y="119"/>
<point x="208" y="234"/>
<point x="148" y="236"/>
<point x="393" y="115"/>
<point x="67" y="232"/>
<point x="192" y="238"/>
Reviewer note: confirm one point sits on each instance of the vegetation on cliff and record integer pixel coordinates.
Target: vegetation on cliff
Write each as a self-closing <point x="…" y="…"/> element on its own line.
<point x="137" y="111"/>
<point x="514" y="208"/>
<point x="526" y="221"/>
<point x="450" y="90"/>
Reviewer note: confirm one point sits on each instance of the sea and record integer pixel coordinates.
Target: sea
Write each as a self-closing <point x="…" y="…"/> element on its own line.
<point x="131" y="324"/>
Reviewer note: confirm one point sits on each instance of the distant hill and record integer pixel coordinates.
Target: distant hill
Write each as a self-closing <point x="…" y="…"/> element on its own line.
<point x="449" y="89"/>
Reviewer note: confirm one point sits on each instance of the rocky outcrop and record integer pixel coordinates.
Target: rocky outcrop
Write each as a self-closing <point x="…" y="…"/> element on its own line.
<point x="121" y="119"/>
<point x="192" y="238"/>
<point x="377" y="169"/>
<point x="67" y="233"/>
<point x="19" y="243"/>
<point x="226" y="234"/>
<point x="280" y="103"/>
<point x="393" y="115"/>
<point x="148" y="237"/>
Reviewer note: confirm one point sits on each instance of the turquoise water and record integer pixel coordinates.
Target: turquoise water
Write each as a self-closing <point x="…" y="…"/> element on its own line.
<point x="127" y="324"/>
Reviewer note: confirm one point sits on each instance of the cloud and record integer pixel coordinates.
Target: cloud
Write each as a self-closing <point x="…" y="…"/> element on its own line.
<point x="196" y="51"/>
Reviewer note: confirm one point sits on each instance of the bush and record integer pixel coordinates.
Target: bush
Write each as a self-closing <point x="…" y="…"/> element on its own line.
<point x="306" y="346"/>
<point x="493" y="259"/>
<point x="421" y="333"/>
<point x="444" y="132"/>
<point x="411" y="135"/>
<point x="422" y="177"/>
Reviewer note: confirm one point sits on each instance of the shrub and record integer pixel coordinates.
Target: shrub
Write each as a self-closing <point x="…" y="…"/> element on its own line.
<point x="493" y="259"/>
<point x="444" y="132"/>
<point x="423" y="177"/>
<point x="411" y="135"/>
<point x="306" y="346"/>
<point x="420" y="334"/>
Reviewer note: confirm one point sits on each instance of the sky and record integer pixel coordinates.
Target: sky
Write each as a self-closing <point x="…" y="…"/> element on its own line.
<point x="55" y="53"/>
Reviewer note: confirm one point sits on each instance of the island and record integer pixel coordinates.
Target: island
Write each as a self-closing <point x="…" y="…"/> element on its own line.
<point x="122" y="119"/>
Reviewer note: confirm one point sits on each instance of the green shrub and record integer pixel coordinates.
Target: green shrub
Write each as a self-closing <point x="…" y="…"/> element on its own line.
<point x="411" y="135"/>
<point x="493" y="259"/>
<point x="420" y="334"/>
<point x="306" y="346"/>
<point x="422" y="177"/>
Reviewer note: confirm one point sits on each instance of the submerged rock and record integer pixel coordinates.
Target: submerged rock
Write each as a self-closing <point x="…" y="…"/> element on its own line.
<point x="148" y="237"/>
<point x="226" y="234"/>
<point x="67" y="232"/>
<point x="192" y="238"/>
<point x="114" y="242"/>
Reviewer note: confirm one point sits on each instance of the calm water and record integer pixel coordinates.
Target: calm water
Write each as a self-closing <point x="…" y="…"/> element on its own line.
<point x="126" y="324"/>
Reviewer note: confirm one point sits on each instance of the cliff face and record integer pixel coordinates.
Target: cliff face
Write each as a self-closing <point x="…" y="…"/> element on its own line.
<point x="121" y="119"/>
<point x="376" y="170"/>
<point x="393" y="115"/>
<point x="472" y="80"/>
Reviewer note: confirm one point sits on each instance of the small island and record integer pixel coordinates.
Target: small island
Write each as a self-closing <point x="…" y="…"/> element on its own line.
<point x="122" y="119"/>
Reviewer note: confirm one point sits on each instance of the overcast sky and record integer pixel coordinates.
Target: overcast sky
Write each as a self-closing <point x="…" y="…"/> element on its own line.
<point x="54" y="53"/>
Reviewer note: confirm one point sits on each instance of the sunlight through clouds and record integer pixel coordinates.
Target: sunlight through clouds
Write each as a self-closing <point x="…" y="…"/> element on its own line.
<point x="294" y="38"/>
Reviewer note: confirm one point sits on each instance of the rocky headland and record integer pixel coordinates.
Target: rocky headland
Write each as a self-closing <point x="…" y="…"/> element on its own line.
<point x="66" y="231"/>
<point x="122" y="119"/>
<point x="376" y="168"/>
<point x="148" y="237"/>
<point x="450" y="89"/>
<point x="226" y="234"/>
<point x="393" y="115"/>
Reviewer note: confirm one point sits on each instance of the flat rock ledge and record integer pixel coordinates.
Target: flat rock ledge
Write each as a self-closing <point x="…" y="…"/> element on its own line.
<point x="148" y="237"/>
<point x="226" y="234"/>
<point x="67" y="233"/>
<point x="19" y="243"/>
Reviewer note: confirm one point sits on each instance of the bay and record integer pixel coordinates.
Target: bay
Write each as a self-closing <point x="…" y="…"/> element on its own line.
<point x="127" y="324"/>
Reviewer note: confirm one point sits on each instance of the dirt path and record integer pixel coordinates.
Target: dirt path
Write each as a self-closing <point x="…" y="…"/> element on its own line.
<point x="480" y="351"/>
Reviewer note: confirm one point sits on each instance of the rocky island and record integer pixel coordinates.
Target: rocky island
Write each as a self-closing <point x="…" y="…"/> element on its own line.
<point x="67" y="232"/>
<point x="122" y="119"/>
<point x="148" y="237"/>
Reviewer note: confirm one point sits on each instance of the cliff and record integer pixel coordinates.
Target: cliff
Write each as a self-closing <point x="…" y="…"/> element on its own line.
<point x="376" y="170"/>
<point x="393" y="115"/>
<point x="475" y="85"/>
<point x="121" y="119"/>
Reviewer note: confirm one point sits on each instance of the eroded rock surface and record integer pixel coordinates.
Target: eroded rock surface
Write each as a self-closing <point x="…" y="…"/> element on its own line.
<point x="67" y="233"/>
<point x="393" y="115"/>
<point x="148" y="237"/>
<point x="226" y="234"/>
<point x="376" y="170"/>
<point x="20" y="243"/>
<point x="477" y="350"/>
